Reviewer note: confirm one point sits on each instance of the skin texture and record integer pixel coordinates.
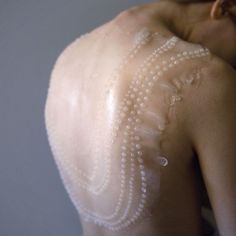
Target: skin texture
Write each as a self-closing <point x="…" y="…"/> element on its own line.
<point x="201" y="126"/>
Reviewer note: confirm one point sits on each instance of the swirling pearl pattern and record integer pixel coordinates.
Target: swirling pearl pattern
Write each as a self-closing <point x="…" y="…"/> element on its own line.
<point x="130" y="129"/>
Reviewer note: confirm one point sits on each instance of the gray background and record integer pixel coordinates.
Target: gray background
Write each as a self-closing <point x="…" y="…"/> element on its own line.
<point x="33" y="200"/>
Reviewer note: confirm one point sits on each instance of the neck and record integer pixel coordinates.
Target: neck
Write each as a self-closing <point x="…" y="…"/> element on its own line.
<point x="182" y="18"/>
<point x="192" y="23"/>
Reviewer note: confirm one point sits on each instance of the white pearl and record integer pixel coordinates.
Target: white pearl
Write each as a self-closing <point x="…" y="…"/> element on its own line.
<point x="142" y="173"/>
<point x="123" y="154"/>
<point x="140" y="160"/>
<point x="144" y="190"/>
<point x="139" y="112"/>
<point x="125" y="108"/>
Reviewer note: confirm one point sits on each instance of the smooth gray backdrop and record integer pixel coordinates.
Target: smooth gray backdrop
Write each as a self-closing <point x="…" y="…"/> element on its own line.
<point x="33" y="201"/>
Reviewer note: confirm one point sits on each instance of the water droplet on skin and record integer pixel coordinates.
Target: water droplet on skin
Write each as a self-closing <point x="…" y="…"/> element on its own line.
<point x="163" y="161"/>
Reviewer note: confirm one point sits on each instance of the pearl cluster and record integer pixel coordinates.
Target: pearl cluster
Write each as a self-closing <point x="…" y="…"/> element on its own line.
<point x="114" y="76"/>
<point x="132" y="115"/>
<point x="126" y="125"/>
<point x="91" y="215"/>
<point x="130" y="55"/>
<point x="141" y="35"/>
<point x="144" y="37"/>
<point x="138" y="92"/>
<point x="135" y="151"/>
<point x="162" y="160"/>
<point x="109" y="84"/>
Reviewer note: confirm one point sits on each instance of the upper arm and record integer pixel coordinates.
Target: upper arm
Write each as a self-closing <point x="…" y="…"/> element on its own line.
<point x="212" y="124"/>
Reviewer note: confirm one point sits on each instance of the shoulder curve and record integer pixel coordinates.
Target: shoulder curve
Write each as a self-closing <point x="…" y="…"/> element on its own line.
<point x="219" y="77"/>
<point x="220" y="67"/>
<point x="216" y="95"/>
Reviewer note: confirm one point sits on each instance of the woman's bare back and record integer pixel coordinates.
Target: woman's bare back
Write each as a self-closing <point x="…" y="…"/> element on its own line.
<point x="116" y="124"/>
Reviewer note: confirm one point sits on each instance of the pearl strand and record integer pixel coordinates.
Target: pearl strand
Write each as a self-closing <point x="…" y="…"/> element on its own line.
<point x="163" y="161"/>
<point x="109" y="146"/>
<point x="141" y="166"/>
<point x="114" y="76"/>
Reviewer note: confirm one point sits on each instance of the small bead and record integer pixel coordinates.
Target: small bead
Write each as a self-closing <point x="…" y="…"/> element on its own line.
<point x="125" y="141"/>
<point x="142" y="173"/>
<point x="144" y="195"/>
<point x="123" y="154"/>
<point x="125" y="108"/>
<point x="123" y="114"/>
<point x="139" y="112"/>
<point x="140" y="160"/>
<point x="144" y="184"/>
<point x="144" y="190"/>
